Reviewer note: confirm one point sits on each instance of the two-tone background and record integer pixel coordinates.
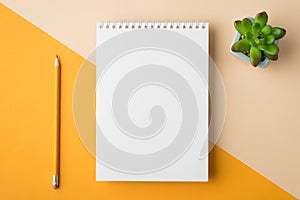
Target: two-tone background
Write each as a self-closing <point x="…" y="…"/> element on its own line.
<point x="257" y="156"/>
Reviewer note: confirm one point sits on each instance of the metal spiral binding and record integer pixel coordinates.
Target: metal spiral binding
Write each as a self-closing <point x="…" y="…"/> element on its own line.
<point x="152" y="25"/>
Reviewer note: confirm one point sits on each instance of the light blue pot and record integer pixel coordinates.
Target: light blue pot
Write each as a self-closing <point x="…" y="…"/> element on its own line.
<point x="263" y="64"/>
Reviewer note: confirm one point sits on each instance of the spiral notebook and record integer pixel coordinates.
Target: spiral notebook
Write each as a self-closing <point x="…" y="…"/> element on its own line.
<point x="152" y="101"/>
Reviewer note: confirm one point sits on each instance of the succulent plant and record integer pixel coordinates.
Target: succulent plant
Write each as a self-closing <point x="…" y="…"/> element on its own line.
<point x="257" y="39"/>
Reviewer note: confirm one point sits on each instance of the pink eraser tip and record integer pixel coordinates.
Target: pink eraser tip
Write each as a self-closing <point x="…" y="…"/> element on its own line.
<point x="55" y="186"/>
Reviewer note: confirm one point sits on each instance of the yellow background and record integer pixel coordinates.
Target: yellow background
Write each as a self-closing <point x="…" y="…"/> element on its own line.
<point x="26" y="107"/>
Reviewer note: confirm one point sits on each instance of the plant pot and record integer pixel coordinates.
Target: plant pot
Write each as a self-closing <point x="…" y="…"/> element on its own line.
<point x="262" y="64"/>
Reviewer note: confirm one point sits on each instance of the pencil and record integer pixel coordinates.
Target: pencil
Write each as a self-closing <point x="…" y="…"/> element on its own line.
<point x="56" y="144"/>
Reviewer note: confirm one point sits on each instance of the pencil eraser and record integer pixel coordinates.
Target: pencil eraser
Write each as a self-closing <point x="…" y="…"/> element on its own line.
<point x="55" y="186"/>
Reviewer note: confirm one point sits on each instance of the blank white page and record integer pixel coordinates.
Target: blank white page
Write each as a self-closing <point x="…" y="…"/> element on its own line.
<point x="152" y="101"/>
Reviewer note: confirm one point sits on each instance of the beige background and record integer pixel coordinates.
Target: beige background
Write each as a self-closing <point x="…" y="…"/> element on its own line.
<point x="262" y="123"/>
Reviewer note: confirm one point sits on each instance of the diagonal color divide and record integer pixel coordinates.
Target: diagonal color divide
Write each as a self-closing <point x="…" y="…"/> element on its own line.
<point x="271" y="173"/>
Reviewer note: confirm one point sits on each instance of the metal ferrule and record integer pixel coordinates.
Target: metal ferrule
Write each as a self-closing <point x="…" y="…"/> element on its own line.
<point x="55" y="180"/>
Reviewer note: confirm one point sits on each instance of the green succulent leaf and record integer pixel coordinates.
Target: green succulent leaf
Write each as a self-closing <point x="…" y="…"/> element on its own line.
<point x="270" y="49"/>
<point x="255" y="56"/>
<point x="266" y="30"/>
<point x="249" y="37"/>
<point x="270" y="39"/>
<point x="247" y="24"/>
<point x="239" y="27"/>
<point x="260" y="41"/>
<point x="262" y="46"/>
<point x="241" y="46"/>
<point x="256" y="28"/>
<point x="278" y="32"/>
<point x="271" y="57"/>
<point x="261" y="18"/>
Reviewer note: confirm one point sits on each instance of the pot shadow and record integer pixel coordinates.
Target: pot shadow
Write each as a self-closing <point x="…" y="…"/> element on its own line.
<point x="285" y="45"/>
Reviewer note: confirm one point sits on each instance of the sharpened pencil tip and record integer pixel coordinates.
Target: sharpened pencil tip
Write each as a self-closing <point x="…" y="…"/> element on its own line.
<point x="56" y="62"/>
